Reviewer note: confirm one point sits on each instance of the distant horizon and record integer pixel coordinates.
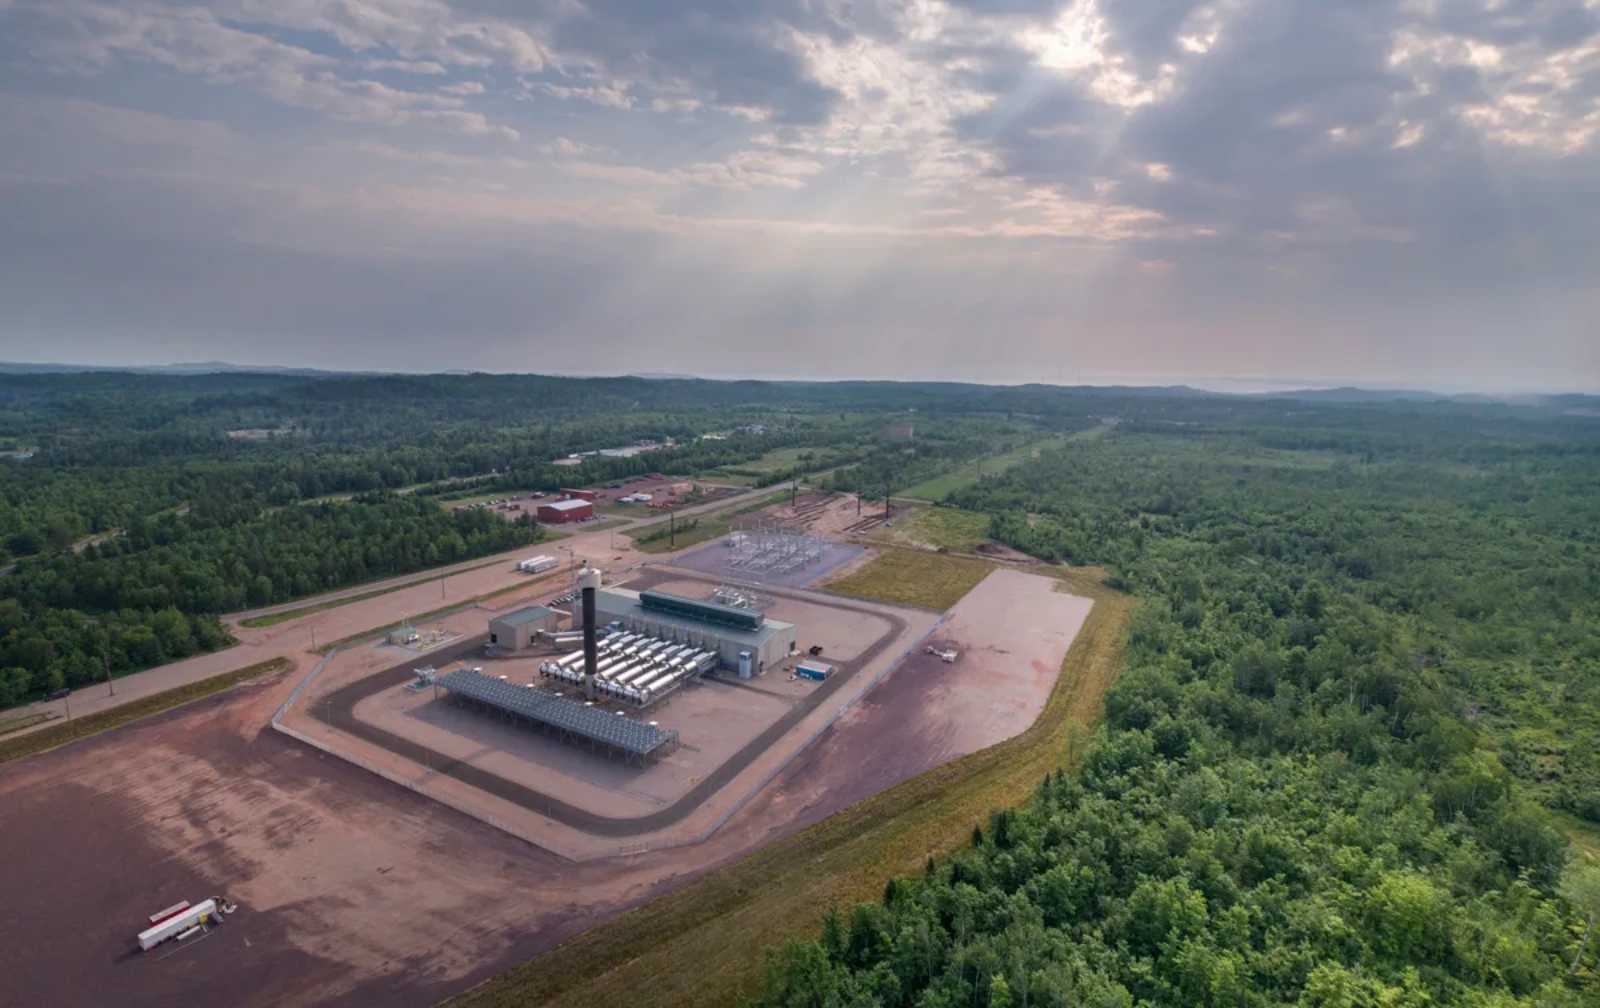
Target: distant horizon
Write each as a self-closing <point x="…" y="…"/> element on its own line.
<point x="1218" y="384"/>
<point x="1241" y="197"/>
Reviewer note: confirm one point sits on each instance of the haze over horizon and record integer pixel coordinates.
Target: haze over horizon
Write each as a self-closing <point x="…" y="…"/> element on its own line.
<point x="1003" y="191"/>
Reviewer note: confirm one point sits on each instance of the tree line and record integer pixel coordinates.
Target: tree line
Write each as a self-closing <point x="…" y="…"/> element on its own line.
<point x="153" y="594"/>
<point x="1352" y="690"/>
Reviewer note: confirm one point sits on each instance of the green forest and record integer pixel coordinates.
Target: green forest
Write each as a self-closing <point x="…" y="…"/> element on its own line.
<point x="1355" y="738"/>
<point x="1362" y="692"/>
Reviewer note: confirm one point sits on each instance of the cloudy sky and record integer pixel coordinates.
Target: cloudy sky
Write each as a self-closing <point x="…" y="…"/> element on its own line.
<point x="997" y="190"/>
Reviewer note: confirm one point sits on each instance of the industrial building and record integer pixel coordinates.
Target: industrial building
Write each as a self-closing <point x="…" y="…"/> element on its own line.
<point x="557" y="512"/>
<point x="568" y="494"/>
<point x="569" y="720"/>
<point x="634" y="667"/>
<point x="515" y="630"/>
<point x="725" y="630"/>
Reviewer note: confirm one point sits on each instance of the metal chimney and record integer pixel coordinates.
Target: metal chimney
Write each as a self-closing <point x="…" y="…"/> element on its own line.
<point x="588" y="584"/>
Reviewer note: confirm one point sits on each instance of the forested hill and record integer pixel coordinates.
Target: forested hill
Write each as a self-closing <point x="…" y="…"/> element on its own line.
<point x="1361" y="703"/>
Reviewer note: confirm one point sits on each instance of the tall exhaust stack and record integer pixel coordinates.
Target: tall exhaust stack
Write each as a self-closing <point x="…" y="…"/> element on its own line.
<point x="589" y="583"/>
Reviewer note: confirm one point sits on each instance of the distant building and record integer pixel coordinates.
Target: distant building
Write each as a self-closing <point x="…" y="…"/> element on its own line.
<point x="515" y="630"/>
<point x="753" y="428"/>
<point x="557" y="512"/>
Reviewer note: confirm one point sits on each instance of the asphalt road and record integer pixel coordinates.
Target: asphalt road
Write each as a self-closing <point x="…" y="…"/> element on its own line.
<point x="417" y="592"/>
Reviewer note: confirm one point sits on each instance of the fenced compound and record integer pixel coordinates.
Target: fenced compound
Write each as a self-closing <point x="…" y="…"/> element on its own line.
<point x="772" y="549"/>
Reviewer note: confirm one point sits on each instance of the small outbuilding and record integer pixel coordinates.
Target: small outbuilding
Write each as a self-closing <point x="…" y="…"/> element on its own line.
<point x="515" y="630"/>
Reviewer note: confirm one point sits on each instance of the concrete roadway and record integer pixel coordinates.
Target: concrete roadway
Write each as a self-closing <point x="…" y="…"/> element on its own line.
<point x="296" y="639"/>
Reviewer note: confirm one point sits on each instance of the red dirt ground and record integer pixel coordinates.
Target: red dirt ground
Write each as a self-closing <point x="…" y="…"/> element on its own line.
<point x="353" y="892"/>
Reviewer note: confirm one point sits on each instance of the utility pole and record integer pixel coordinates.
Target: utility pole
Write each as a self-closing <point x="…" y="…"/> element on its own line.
<point x="68" y="701"/>
<point x="672" y="530"/>
<point x="109" y="684"/>
<point x="313" y="638"/>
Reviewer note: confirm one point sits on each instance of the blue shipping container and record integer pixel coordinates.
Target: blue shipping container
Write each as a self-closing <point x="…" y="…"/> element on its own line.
<point x="813" y="670"/>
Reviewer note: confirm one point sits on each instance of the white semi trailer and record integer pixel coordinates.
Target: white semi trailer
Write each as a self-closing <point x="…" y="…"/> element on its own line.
<point x="178" y="924"/>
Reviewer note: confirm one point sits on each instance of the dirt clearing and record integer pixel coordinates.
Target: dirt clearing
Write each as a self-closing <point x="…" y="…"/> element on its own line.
<point x="832" y="516"/>
<point x="1010" y="634"/>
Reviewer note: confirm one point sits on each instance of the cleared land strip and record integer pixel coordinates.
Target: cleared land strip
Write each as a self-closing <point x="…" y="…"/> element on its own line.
<point x="703" y="943"/>
<point x="285" y="615"/>
<point x="93" y="724"/>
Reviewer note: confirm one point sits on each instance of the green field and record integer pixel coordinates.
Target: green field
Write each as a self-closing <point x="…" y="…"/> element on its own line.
<point x="931" y="580"/>
<point x="944" y="528"/>
<point x="93" y="724"/>
<point x="745" y="474"/>
<point x="702" y="944"/>
<point x="939" y="487"/>
<point x="690" y="532"/>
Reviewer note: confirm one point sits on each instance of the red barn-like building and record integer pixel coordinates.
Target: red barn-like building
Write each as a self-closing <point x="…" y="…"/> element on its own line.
<point x="555" y="512"/>
<point x="578" y="494"/>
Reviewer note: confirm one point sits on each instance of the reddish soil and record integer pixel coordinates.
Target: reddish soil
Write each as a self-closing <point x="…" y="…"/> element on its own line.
<point x="1011" y="632"/>
<point x="355" y="892"/>
<point x="833" y="516"/>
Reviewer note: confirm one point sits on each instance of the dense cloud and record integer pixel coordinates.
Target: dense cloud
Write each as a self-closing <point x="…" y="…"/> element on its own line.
<point x="1227" y="186"/>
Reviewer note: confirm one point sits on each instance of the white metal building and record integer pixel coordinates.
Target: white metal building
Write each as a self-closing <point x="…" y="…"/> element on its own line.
<point x="724" y="629"/>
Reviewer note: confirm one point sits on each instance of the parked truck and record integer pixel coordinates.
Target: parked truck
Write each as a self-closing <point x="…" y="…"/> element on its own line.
<point x="179" y="922"/>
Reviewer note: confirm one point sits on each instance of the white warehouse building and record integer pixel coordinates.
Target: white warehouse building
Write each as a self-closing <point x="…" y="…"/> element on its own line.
<point x="724" y="629"/>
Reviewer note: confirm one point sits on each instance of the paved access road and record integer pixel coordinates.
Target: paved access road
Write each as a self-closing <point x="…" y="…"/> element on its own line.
<point x="297" y="639"/>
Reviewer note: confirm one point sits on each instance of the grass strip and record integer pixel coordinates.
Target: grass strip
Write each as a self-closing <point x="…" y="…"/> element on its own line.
<point x="930" y="580"/>
<point x="21" y="721"/>
<point x="704" y="942"/>
<point x="100" y="721"/>
<point x="413" y="620"/>
<point x="273" y="619"/>
<point x="934" y="528"/>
